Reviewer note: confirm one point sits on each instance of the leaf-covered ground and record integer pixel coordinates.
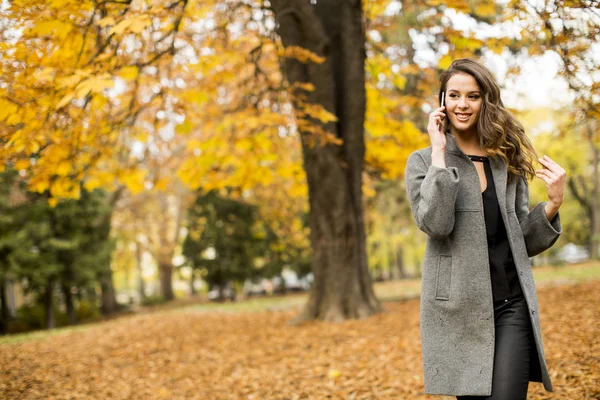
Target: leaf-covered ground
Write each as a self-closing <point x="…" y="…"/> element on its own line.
<point x="197" y="355"/>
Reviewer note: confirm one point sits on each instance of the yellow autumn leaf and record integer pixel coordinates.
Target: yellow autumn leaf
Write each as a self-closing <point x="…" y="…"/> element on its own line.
<point x="22" y="164"/>
<point x="140" y="23"/>
<point x="445" y="62"/>
<point x="134" y="180"/>
<point x="119" y="28"/>
<point x="106" y="21"/>
<point x="63" y="168"/>
<point x="129" y="72"/>
<point x="161" y="184"/>
<point x="334" y="373"/>
<point x="65" y="100"/>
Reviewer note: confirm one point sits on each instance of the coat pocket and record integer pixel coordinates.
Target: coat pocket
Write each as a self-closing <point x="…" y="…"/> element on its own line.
<point x="444" y="276"/>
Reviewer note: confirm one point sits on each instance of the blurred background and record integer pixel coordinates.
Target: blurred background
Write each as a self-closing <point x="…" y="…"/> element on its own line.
<point x="190" y="151"/>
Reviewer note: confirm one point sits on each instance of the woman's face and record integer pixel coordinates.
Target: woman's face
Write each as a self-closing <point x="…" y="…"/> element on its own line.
<point x="463" y="103"/>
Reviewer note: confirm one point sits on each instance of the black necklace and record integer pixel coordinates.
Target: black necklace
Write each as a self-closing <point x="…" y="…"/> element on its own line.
<point x="477" y="158"/>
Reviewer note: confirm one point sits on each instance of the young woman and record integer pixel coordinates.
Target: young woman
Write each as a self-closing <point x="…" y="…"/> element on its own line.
<point x="468" y="191"/>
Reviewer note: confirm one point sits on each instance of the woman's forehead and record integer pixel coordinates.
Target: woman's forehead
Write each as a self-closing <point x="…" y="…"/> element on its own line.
<point x="462" y="83"/>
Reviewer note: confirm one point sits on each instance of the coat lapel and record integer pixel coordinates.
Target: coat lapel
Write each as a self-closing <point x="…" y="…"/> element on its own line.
<point x="499" y="173"/>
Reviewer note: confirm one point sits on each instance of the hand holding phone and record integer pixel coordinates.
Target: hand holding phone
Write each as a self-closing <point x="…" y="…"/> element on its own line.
<point x="436" y="128"/>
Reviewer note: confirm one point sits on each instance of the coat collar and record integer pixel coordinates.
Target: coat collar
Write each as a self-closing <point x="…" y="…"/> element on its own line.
<point x="498" y="167"/>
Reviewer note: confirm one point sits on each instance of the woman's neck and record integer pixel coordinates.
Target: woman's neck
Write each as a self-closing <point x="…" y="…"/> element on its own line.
<point x="469" y="143"/>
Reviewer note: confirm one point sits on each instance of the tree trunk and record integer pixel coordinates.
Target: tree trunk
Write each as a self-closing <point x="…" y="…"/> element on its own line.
<point x="166" y="282"/>
<point x="595" y="195"/>
<point x="91" y="296"/>
<point x="588" y="195"/>
<point x="49" y="305"/>
<point x="109" y="302"/>
<point x="3" y="307"/>
<point x="72" y="316"/>
<point x="192" y="280"/>
<point x="138" y="260"/>
<point x="400" y="263"/>
<point x="342" y="286"/>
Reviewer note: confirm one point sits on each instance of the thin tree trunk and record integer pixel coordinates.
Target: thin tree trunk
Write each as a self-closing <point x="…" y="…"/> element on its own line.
<point x="71" y="315"/>
<point x="3" y="307"/>
<point x="92" y="296"/>
<point x="192" y="280"/>
<point x="400" y="263"/>
<point x="342" y="285"/>
<point x="166" y="280"/>
<point x="595" y="200"/>
<point x="138" y="260"/>
<point x="109" y="302"/>
<point x="49" y="305"/>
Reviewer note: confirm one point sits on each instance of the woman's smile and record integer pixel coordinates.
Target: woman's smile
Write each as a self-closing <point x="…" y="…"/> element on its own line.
<point x="462" y="116"/>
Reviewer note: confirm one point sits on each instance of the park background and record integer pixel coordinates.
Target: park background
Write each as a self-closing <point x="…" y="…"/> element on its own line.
<point x="160" y="158"/>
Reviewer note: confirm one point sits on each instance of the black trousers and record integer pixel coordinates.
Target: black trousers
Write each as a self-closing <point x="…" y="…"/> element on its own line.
<point x="514" y="344"/>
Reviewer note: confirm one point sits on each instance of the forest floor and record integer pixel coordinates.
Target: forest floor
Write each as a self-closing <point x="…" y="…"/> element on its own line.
<point x="194" y="354"/>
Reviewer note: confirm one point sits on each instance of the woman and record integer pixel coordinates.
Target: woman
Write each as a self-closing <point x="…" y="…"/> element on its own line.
<point x="468" y="191"/>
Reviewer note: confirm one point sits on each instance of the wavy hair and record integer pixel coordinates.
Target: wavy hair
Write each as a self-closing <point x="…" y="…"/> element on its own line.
<point x="500" y="134"/>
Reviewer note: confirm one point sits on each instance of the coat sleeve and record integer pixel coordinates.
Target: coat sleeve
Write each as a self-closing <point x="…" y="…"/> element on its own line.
<point x="539" y="233"/>
<point x="432" y="194"/>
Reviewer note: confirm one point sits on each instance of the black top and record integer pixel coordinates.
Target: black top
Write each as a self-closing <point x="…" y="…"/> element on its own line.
<point x="505" y="279"/>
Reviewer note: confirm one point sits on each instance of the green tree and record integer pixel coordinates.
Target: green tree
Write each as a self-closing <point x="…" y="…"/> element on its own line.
<point x="221" y="241"/>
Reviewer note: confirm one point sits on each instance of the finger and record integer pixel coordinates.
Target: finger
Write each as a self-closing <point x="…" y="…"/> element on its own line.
<point x="551" y="164"/>
<point x="559" y="169"/>
<point x="544" y="178"/>
<point x="546" y="172"/>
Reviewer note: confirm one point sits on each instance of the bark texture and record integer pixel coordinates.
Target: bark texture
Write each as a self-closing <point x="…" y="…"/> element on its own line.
<point x="49" y="305"/>
<point x="3" y="307"/>
<point x="166" y="281"/>
<point x="109" y="301"/>
<point x="69" y="304"/>
<point x="333" y="29"/>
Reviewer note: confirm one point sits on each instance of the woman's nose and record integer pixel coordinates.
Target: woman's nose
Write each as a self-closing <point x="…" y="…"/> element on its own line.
<point x="462" y="103"/>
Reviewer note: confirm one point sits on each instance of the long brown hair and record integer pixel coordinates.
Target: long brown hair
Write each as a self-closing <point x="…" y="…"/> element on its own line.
<point x="500" y="134"/>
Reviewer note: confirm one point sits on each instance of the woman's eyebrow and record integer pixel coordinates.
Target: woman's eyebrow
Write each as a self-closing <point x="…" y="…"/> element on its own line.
<point x="458" y="91"/>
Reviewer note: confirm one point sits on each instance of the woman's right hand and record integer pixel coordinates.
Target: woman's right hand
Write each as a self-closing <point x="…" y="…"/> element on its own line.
<point x="435" y="128"/>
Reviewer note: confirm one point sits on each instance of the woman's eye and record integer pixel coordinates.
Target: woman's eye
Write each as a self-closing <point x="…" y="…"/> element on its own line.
<point x="474" y="97"/>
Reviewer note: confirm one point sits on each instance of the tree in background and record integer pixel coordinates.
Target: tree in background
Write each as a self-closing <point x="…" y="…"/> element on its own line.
<point x="14" y="241"/>
<point x="221" y="240"/>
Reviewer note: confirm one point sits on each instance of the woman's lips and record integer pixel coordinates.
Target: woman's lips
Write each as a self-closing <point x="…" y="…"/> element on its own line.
<point x="462" y="117"/>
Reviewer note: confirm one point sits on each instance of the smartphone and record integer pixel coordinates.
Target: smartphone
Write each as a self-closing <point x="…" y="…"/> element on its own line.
<point x="443" y="97"/>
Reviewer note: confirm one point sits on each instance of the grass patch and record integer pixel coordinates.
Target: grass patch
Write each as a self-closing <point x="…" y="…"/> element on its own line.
<point x="37" y="335"/>
<point x="571" y="273"/>
<point x="385" y="291"/>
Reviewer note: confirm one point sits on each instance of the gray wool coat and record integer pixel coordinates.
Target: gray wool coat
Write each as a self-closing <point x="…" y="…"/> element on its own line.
<point x="457" y="314"/>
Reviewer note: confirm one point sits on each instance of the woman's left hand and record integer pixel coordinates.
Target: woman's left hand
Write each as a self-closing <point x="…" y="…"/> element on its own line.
<point x="554" y="176"/>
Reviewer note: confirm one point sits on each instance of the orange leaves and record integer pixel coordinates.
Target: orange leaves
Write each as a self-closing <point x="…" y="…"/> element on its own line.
<point x="8" y="112"/>
<point x="302" y="55"/>
<point x="257" y="355"/>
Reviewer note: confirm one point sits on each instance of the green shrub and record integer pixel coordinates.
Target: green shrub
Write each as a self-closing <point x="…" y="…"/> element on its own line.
<point x="87" y="312"/>
<point x="32" y="316"/>
<point x="153" y="300"/>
